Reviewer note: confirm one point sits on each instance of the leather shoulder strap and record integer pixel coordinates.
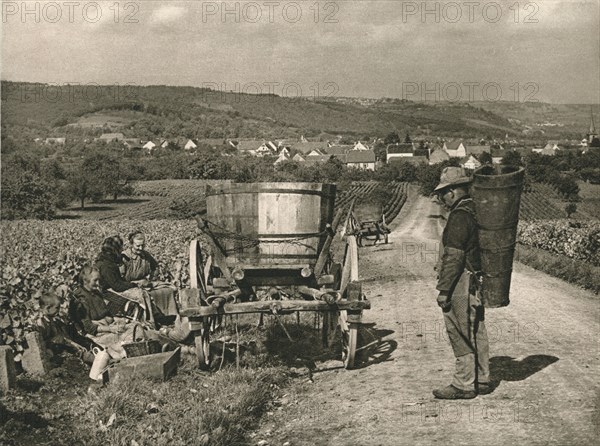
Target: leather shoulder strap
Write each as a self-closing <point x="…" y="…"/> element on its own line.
<point x="464" y="205"/>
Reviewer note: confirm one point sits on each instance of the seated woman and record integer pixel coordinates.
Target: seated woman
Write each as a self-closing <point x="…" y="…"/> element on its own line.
<point x="108" y="263"/>
<point x="140" y="267"/>
<point x="96" y="318"/>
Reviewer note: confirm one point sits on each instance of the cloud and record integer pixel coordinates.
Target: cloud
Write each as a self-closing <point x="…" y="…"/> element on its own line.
<point x="167" y="14"/>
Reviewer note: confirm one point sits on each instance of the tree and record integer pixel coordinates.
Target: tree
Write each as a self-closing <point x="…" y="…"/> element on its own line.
<point x="407" y="139"/>
<point x="406" y="171"/>
<point x="380" y="151"/>
<point x="590" y="175"/>
<point x="106" y="172"/>
<point x="428" y="176"/>
<point x="101" y="174"/>
<point x="81" y="186"/>
<point x="570" y="209"/>
<point x="387" y="173"/>
<point x="392" y="138"/>
<point x="211" y="166"/>
<point x="331" y="170"/>
<point x="485" y="158"/>
<point x="512" y="159"/>
<point x="567" y="187"/>
<point x="173" y="146"/>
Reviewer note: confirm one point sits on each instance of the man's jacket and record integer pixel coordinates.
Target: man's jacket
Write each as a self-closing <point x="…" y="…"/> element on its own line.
<point x="460" y="241"/>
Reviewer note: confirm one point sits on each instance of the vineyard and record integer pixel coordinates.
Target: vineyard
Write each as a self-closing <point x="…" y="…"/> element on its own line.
<point x="535" y="205"/>
<point x="390" y="197"/>
<point x="544" y="203"/>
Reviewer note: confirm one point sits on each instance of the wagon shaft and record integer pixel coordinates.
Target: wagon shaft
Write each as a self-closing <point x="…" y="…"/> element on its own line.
<point x="280" y="305"/>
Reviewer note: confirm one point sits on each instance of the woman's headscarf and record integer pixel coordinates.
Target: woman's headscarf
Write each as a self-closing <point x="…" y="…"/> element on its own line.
<point x="112" y="246"/>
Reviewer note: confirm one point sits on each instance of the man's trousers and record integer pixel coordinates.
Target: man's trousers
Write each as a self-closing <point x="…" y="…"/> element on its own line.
<point x="468" y="336"/>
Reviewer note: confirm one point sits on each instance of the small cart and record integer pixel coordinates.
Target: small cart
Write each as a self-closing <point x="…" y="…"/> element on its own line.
<point x="367" y="222"/>
<point x="271" y="253"/>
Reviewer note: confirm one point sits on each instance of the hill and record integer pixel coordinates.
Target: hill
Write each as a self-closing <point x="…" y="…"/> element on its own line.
<point x="164" y="111"/>
<point x="545" y="120"/>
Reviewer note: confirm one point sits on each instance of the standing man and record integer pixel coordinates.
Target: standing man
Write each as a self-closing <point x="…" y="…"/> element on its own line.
<point x="458" y="282"/>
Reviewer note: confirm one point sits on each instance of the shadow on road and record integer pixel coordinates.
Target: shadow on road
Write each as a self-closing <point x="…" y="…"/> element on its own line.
<point x="372" y="348"/>
<point x="505" y="368"/>
<point x="437" y="217"/>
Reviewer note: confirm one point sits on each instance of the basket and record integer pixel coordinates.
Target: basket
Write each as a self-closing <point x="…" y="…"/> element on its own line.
<point x="143" y="347"/>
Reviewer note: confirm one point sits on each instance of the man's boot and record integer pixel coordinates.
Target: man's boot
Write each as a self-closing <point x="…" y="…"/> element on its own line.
<point x="453" y="393"/>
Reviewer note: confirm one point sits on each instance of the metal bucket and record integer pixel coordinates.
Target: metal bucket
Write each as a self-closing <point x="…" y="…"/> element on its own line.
<point x="496" y="191"/>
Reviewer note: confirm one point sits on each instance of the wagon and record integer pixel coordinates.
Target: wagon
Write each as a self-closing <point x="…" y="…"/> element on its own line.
<point x="271" y="253"/>
<point x="367" y="222"/>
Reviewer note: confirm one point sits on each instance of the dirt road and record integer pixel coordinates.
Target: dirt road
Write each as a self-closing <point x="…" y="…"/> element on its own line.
<point x="544" y="352"/>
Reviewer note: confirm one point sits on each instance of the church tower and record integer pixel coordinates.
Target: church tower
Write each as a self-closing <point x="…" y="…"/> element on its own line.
<point x="592" y="137"/>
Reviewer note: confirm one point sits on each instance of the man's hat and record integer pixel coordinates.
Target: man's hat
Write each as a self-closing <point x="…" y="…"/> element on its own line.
<point x="452" y="176"/>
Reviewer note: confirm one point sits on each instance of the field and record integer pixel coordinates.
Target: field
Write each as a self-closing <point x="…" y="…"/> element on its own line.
<point x="590" y="200"/>
<point x="173" y="199"/>
<point x="152" y="200"/>
<point x="115" y="119"/>
<point x="536" y="205"/>
<point x="29" y="267"/>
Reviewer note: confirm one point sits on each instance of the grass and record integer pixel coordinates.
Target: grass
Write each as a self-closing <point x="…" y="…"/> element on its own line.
<point x="590" y="200"/>
<point x="194" y="408"/>
<point x="222" y="407"/>
<point x="570" y="270"/>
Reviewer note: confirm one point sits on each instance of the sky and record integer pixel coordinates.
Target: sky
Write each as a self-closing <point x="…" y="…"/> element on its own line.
<point x="546" y="50"/>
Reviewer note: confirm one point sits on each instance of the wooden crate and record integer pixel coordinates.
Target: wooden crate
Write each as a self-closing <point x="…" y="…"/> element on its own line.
<point x="160" y="366"/>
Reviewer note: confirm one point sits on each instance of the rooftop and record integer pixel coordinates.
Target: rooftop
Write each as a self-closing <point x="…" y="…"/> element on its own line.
<point x="360" y="156"/>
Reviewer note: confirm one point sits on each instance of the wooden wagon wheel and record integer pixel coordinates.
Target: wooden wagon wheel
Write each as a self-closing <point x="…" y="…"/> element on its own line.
<point x="350" y="340"/>
<point x="360" y="240"/>
<point x="202" y="341"/>
<point x="349" y="329"/>
<point x="197" y="270"/>
<point x="198" y="280"/>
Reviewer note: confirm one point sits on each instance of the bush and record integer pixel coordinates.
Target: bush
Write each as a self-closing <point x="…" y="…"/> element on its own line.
<point x="574" y="271"/>
<point x="579" y="240"/>
<point x="27" y="195"/>
<point x="570" y="209"/>
<point x="567" y="187"/>
<point x="590" y="175"/>
<point x="428" y="176"/>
